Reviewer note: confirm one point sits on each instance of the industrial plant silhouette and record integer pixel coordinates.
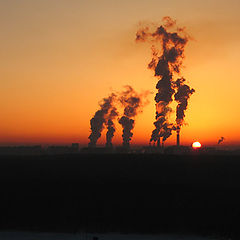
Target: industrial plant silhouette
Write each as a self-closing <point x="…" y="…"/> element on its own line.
<point x="167" y="44"/>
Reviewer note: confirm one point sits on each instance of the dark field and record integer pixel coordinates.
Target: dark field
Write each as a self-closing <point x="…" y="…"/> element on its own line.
<point x="141" y="193"/>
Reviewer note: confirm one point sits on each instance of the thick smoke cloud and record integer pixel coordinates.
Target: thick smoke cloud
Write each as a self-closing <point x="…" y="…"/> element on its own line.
<point x="167" y="56"/>
<point x="181" y="96"/>
<point x="110" y="126"/>
<point x="221" y="140"/>
<point x="168" y="43"/>
<point x="99" y="119"/>
<point x="132" y="103"/>
<point x="127" y="125"/>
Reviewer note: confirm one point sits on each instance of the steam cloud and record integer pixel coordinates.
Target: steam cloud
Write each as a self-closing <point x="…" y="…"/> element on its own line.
<point x="221" y="140"/>
<point x="99" y="119"/>
<point x="181" y="96"/>
<point x="132" y="103"/>
<point x="110" y="126"/>
<point x="167" y="56"/>
<point x="167" y="61"/>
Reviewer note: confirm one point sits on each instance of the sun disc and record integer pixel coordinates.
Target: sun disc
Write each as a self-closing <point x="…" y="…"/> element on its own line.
<point x="196" y="145"/>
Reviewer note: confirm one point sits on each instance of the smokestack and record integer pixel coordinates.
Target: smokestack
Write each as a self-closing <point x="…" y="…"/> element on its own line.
<point x="178" y="138"/>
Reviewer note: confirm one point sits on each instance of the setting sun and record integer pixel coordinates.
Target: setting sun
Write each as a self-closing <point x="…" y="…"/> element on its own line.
<point x="196" y="145"/>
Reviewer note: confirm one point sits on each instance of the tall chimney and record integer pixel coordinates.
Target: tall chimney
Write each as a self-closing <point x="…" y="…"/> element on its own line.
<point x="178" y="138"/>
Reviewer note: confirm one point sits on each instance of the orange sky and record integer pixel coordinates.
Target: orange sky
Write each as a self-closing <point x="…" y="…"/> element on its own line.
<point x="60" y="57"/>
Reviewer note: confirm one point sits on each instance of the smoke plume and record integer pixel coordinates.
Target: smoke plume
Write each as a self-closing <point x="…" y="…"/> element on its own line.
<point x="110" y="126"/>
<point x="132" y="103"/>
<point x="99" y="119"/>
<point x="181" y="96"/>
<point x="221" y="140"/>
<point x="167" y="56"/>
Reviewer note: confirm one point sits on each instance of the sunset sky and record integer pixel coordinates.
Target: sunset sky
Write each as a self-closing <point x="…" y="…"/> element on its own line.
<point x="59" y="58"/>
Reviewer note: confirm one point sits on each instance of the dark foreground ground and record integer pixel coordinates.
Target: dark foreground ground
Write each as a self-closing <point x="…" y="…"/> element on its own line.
<point x="144" y="193"/>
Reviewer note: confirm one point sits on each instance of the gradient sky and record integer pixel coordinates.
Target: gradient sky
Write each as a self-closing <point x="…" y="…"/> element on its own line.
<point x="60" y="57"/>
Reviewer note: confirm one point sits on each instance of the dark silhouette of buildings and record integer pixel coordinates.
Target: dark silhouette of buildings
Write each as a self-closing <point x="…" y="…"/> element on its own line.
<point x="21" y="150"/>
<point x="38" y="150"/>
<point x="74" y="148"/>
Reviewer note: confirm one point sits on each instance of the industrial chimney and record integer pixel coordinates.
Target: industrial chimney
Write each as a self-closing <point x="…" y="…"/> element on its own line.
<point x="178" y="138"/>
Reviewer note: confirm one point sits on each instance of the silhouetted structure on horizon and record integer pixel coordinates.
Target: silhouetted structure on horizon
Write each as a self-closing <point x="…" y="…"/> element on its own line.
<point x="21" y="150"/>
<point x="178" y="138"/>
<point x="74" y="149"/>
